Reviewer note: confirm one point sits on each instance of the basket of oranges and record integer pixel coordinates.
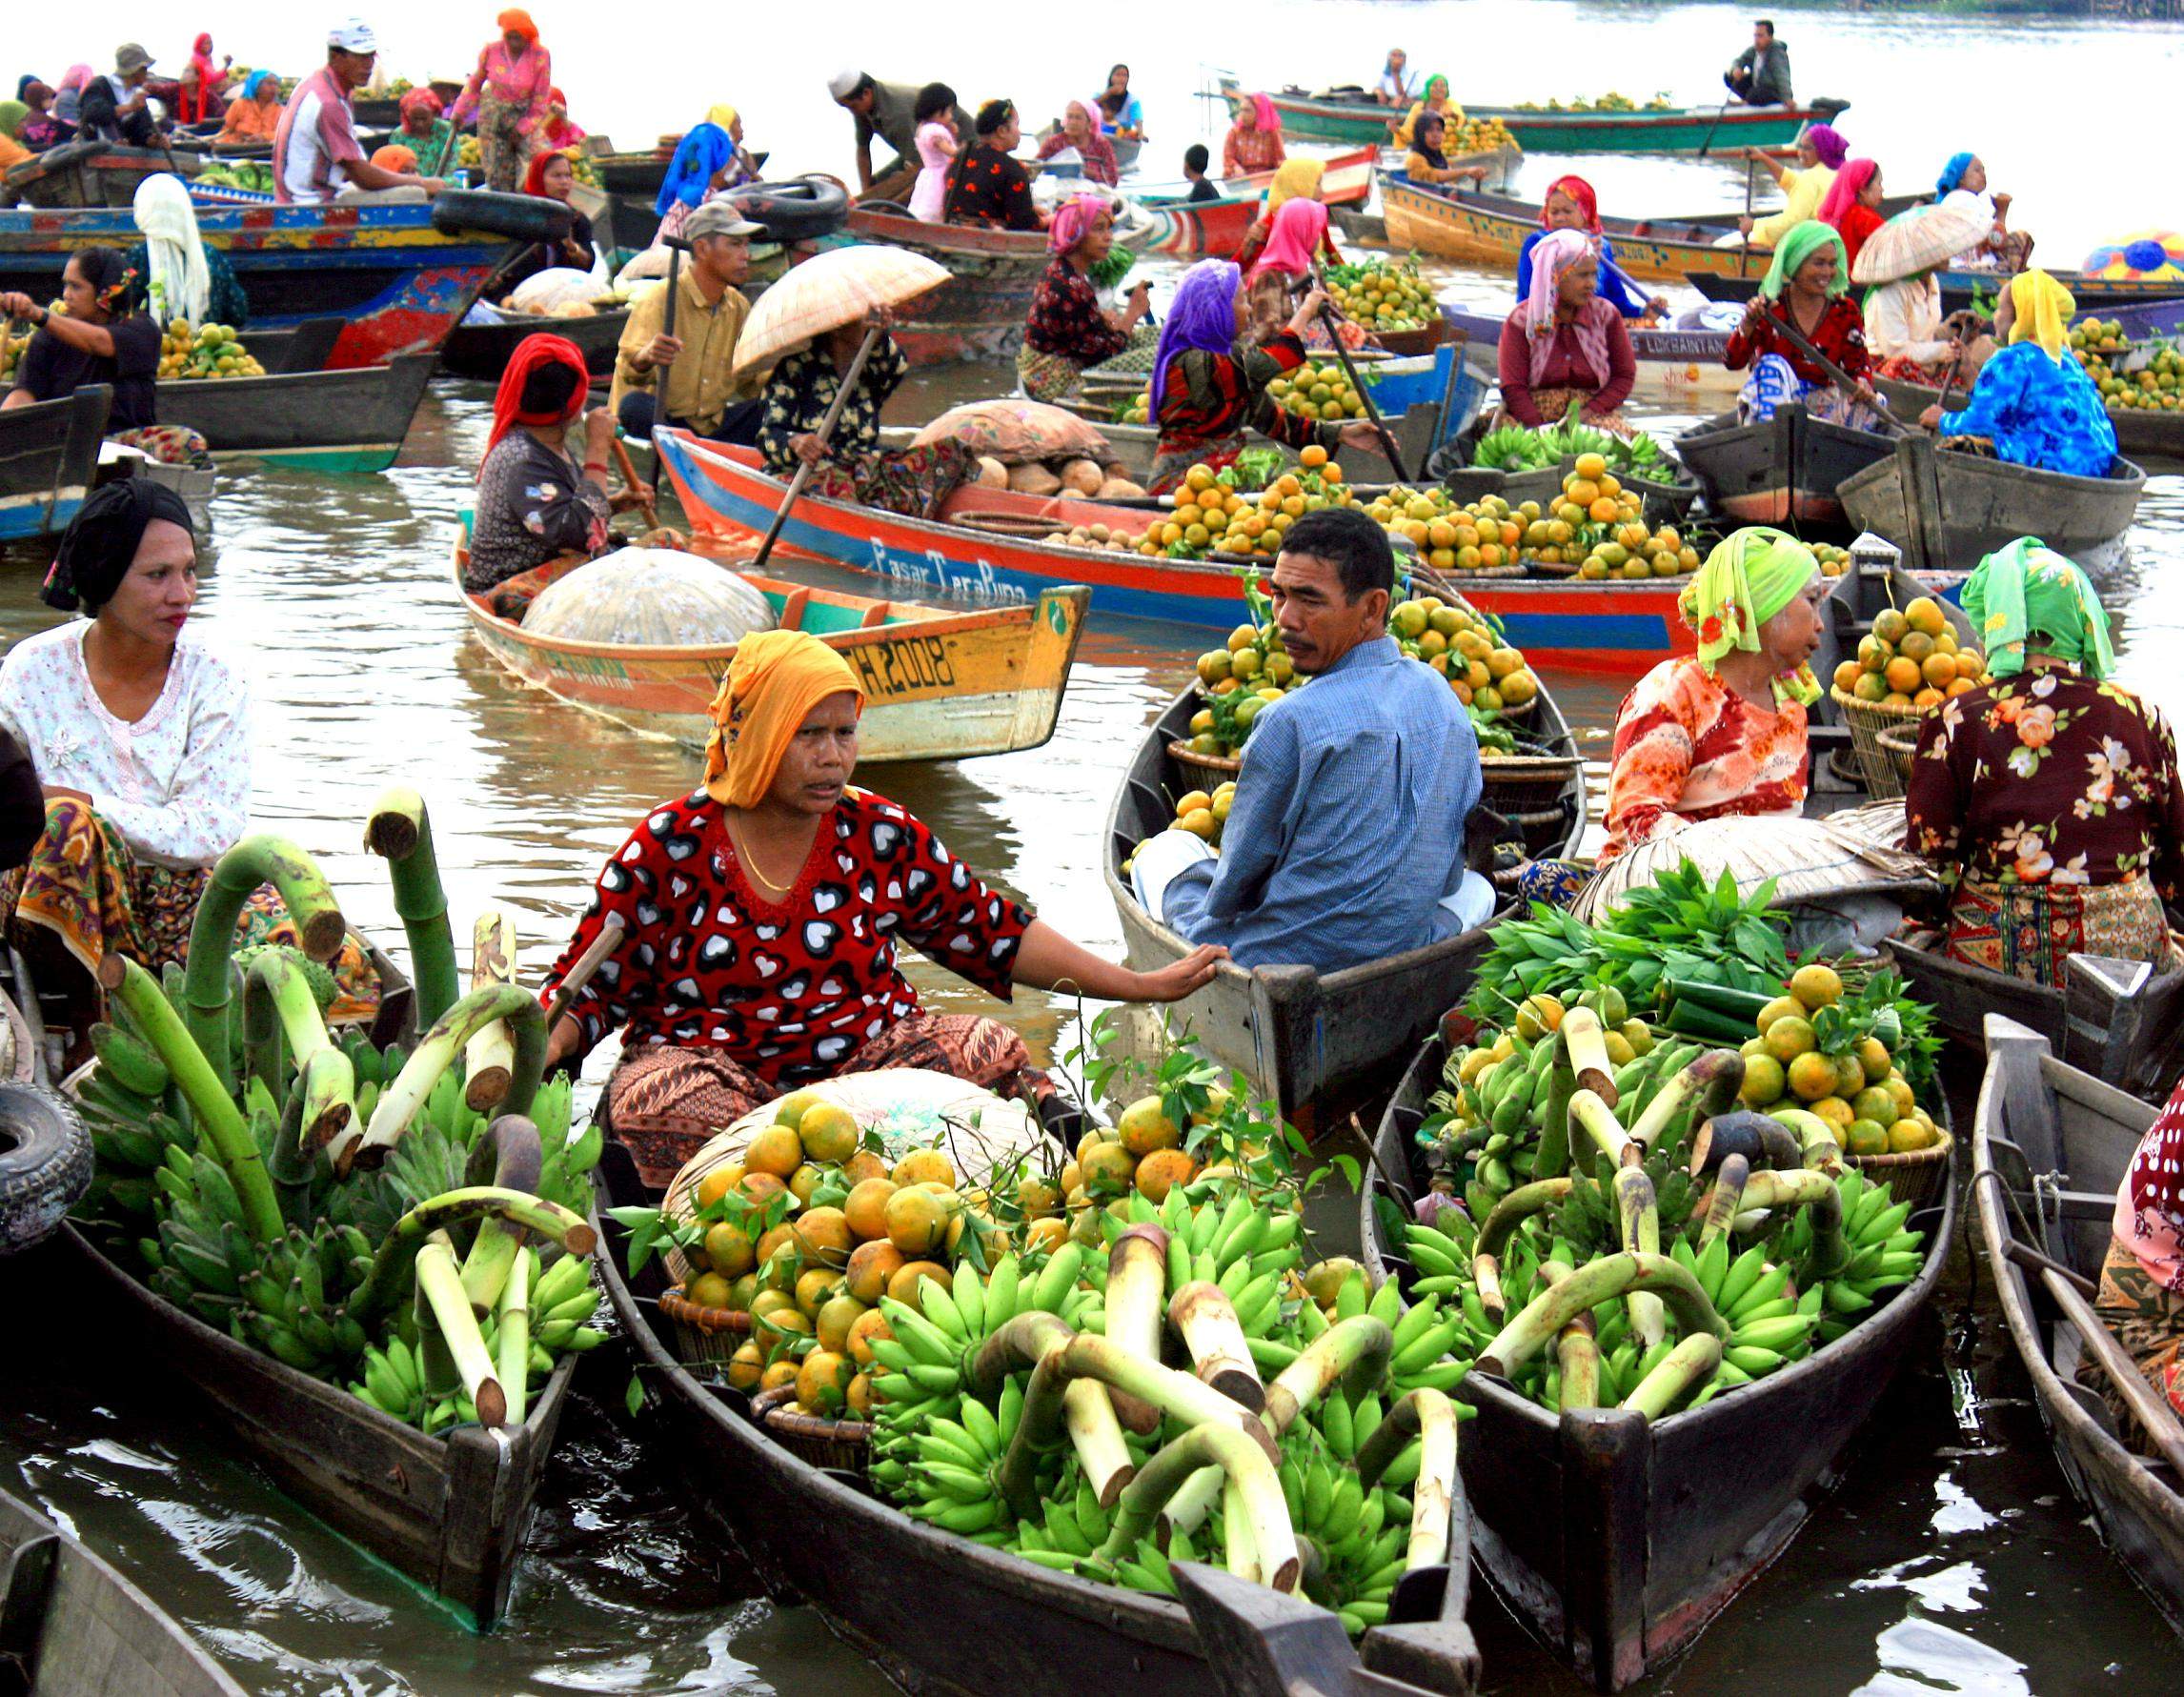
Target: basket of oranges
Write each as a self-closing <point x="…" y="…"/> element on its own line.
<point x="1907" y="665"/>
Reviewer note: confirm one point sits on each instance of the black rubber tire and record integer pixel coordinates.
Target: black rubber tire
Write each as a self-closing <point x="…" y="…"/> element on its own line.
<point x="519" y="218"/>
<point x="45" y="1164"/>
<point x="797" y="210"/>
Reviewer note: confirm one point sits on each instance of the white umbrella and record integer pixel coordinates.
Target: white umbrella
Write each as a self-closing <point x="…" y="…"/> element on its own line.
<point x="1920" y="239"/>
<point x="828" y="291"/>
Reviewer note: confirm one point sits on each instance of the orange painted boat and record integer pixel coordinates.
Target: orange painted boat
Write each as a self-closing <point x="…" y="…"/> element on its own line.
<point x="939" y="685"/>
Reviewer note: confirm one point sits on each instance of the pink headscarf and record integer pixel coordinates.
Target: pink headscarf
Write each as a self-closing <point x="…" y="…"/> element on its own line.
<point x="1073" y="221"/>
<point x="1300" y="225"/>
<point x="1844" y="191"/>
<point x="1557" y="252"/>
<point x="78" y="75"/>
<point x="1263" y="110"/>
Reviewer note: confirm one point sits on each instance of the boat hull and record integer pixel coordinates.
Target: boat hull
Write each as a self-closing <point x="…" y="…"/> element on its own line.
<point x="483" y="351"/>
<point x="49" y="456"/>
<point x="319" y="421"/>
<point x="93" y="173"/>
<point x="1961" y="289"/>
<point x="1949" y="511"/>
<point x="2037" y="1116"/>
<point x="1782" y="471"/>
<point x="1491" y="229"/>
<point x="1616" y="1540"/>
<point x="1679" y="369"/>
<point x="2150" y="439"/>
<point x="942" y="688"/>
<point x="1684" y="130"/>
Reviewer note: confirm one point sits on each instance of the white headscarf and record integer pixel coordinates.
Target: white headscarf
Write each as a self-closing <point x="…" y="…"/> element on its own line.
<point x="180" y="285"/>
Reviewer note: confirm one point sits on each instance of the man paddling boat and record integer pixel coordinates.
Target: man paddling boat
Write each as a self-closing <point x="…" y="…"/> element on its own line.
<point x="704" y="395"/>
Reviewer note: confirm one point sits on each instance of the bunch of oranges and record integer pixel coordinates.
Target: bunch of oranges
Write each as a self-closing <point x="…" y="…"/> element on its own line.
<point x="1911" y="660"/>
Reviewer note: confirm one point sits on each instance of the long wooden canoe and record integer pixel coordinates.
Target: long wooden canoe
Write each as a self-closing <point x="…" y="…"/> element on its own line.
<point x="49" y="456"/>
<point x="2049" y="1147"/>
<point x="1481" y="229"/>
<point x="939" y="1615"/>
<point x="1617" y="1541"/>
<point x="1317" y="1044"/>
<point x="982" y="551"/>
<point x="83" y="1631"/>
<point x="1782" y="471"/>
<point x="2150" y="439"/>
<point x="1356" y="116"/>
<point x="1949" y="511"/>
<point x="483" y="351"/>
<point x="1960" y="290"/>
<point x="1184" y="229"/>
<point x="92" y="173"/>
<point x="939" y="685"/>
<point x="351" y="420"/>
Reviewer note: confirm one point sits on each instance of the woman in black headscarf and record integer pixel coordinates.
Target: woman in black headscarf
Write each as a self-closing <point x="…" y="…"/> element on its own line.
<point x="986" y="186"/>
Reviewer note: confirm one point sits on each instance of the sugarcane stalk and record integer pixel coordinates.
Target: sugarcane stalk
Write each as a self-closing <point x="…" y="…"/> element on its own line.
<point x="1354" y="1352"/>
<point x="1641" y="1221"/>
<point x="1726" y="1199"/>
<point x="1429" y="1417"/>
<point x="515" y="1339"/>
<point x="1585" y="1289"/>
<point x="1517" y="1207"/>
<point x="489" y="1058"/>
<point x="256" y="860"/>
<point x="1205" y="1319"/>
<point x="1692" y="1363"/>
<point x="403" y="1100"/>
<point x="220" y="1122"/>
<point x="1266" y="1516"/>
<point x="1097" y="1437"/>
<point x="1602" y="1131"/>
<point x="1137" y="1281"/>
<point x="441" y="1283"/>
<point x="398" y="1251"/>
<point x="1761" y="1141"/>
<point x="1186" y="1511"/>
<point x="1239" y="1550"/>
<point x="400" y="832"/>
<point x="510" y="1150"/>
<point x="1712" y="1081"/>
<point x="1587" y="1045"/>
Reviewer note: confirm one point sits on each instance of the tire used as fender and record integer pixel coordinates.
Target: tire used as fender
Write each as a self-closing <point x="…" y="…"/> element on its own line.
<point x="518" y="217"/>
<point x="795" y="210"/>
<point x="46" y="1164"/>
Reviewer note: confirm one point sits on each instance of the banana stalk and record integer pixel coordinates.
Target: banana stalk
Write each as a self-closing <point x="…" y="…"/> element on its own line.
<point x="489" y="1058"/>
<point x="1641" y="1222"/>
<point x="510" y="1150"/>
<point x="1726" y="1199"/>
<point x="397" y="1252"/>
<point x="1355" y="1351"/>
<point x="254" y="860"/>
<point x="1588" y="1049"/>
<point x="1136" y="1276"/>
<point x="1712" y="1081"/>
<point x="1240" y="1550"/>
<point x="1816" y="1192"/>
<point x="401" y="1101"/>
<point x="1761" y="1140"/>
<point x="1430" y="1418"/>
<point x="1689" y="1364"/>
<point x="441" y="1285"/>
<point x="1220" y="1355"/>
<point x="1515" y="1208"/>
<point x="329" y="1097"/>
<point x="1596" y="1120"/>
<point x="1577" y="1350"/>
<point x="1596" y="1283"/>
<point x="400" y="832"/>
<point x="515" y="1339"/>
<point x="1265" y="1515"/>
<point x="220" y="1122"/>
<point x="1097" y="1437"/>
<point x="1186" y="1511"/>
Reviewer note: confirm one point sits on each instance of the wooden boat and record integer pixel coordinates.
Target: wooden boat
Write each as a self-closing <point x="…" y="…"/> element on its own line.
<point x="1317" y="1044"/>
<point x="1618" y="1542"/>
<point x="398" y="280"/>
<point x="1482" y="228"/>
<point x="2049" y="1147"/>
<point x="76" y="1628"/>
<point x="351" y="420"/>
<point x="1959" y="289"/>
<point x="1354" y="115"/>
<point x="483" y="351"/>
<point x="1184" y="229"/>
<point x="986" y="547"/>
<point x="939" y="686"/>
<point x="1950" y="510"/>
<point x="940" y="1616"/>
<point x="49" y="456"/>
<point x="2150" y="439"/>
<point x="92" y="173"/>
<point x="1783" y="471"/>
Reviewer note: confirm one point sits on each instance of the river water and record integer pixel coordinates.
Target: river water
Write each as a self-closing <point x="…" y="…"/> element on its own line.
<point x="1953" y="1559"/>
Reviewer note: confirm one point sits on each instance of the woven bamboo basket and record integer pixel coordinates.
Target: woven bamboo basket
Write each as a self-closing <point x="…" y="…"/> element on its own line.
<point x="842" y="1443"/>
<point x="1915" y="1178"/>
<point x="1867" y="720"/>
<point x="1206" y="772"/>
<point x="704" y="1334"/>
<point x="1525" y="783"/>
<point x="1902" y="744"/>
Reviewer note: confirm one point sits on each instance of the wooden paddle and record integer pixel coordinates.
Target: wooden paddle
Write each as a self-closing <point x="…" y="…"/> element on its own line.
<point x="635" y="484"/>
<point x="1796" y="340"/>
<point x="1744" y="249"/>
<point x="1357" y="385"/>
<point x="1707" y="145"/>
<point x="826" y="433"/>
<point x="586" y="964"/>
<point x="2152" y="1409"/>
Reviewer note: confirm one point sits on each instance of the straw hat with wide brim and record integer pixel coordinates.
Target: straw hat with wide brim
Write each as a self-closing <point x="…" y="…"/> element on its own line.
<point x="827" y="292"/>
<point x="1808" y="859"/>
<point x="1918" y="240"/>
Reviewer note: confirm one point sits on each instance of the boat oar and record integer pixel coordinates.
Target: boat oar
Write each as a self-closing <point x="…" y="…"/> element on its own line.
<point x="1796" y="338"/>
<point x="2152" y="1410"/>
<point x="2033" y="1261"/>
<point x="676" y="247"/>
<point x="1357" y="384"/>
<point x="1744" y="248"/>
<point x="1705" y="146"/>
<point x="826" y="433"/>
<point x="636" y="485"/>
<point x="609" y="938"/>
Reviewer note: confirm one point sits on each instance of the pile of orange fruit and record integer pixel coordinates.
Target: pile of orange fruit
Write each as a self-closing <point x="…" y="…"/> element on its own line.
<point x="1857" y="1088"/>
<point x="1911" y="660"/>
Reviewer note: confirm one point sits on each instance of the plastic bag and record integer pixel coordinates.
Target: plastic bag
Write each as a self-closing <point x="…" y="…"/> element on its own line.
<point x="556" y="287"/>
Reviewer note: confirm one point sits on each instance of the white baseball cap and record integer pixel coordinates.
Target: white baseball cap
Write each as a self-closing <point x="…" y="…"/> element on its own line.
<point x="353" y="35"/>
<point x="843" y="84"/>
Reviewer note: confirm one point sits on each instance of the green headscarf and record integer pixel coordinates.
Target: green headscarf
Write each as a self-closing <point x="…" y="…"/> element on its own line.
<point x="1751" y="574"/>
<point x="1797" y="247"/>
<point x="2027" y="592"/>
<point x="12" y="112"/>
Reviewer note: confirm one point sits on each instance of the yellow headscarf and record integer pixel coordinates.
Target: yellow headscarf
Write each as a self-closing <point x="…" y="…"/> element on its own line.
<point x="2043" y="310"/>
<point x="1295" y="179"/>
<point x="723" y="116"/>
<point x="775" y="681"/>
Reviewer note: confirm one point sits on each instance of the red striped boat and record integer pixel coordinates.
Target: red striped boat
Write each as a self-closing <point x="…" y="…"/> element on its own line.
<point x="1184" y="229"/>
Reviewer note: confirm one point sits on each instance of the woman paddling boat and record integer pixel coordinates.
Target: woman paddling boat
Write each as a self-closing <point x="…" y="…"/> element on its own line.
<point x="1963" y="186"/>
<point x="535" y="503"/>
<point x="1069" y="329"/>
<point x="1820" y="155"/>
<point x="804" y="886"/>
<point x="1427" y="163"/>
<point x="1805" y="292"/>
<point x="2034" y="403"/>
<point x="1852" y="207"/>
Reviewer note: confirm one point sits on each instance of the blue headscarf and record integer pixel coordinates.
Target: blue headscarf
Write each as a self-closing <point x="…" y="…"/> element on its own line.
<point x="23" y="85"/>
<point x="1952" y="173"/>
<point x="258" y="80"/>
<point x="701" y="154"/>
<point x="1203" y="316"/>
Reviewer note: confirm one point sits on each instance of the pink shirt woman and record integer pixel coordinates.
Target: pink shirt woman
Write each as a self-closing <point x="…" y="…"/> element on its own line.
<point x="936" y="153"/>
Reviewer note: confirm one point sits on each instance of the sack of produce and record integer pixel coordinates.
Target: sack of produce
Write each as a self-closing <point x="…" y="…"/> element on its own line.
<point x="650" y="597"/>
<point x="543" y="292"/>
<point x="1018" y="431"/>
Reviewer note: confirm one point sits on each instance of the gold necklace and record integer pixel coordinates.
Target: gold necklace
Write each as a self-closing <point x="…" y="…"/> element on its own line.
<point x="750" y="860"/>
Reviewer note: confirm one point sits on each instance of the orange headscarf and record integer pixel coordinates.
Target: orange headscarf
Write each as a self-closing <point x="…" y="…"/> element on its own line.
<point x="517" y="21"/>
<point x="775" y="681"/>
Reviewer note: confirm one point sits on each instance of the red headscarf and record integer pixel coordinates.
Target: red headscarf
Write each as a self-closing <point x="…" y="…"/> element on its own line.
<point x="1579" y="190"/>
<point x="534" y="353"/>
<point x="534" y="179"/>
<point x="418" y="100"/>
<point x="515" y="20"/>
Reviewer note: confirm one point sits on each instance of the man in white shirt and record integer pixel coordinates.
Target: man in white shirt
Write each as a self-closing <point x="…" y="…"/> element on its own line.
<point x="316" y="155"/>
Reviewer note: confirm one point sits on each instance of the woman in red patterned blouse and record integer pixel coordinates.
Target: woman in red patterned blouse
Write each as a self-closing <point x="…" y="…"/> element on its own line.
<point x="762" y="914"/>
<point x="987" y="186"/>
<point x="1068" y="331"/>
<point x="1254" y="141"/>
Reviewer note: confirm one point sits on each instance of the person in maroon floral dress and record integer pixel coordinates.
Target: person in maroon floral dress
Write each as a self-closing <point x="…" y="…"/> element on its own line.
<point x="762" y="917"/>
<point x="2048" y="798"/>
<point x="987" y="186"/>
<point x="1067" y="330"/>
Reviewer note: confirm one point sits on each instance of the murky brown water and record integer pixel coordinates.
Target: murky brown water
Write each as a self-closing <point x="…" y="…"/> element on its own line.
<point x="1954" y="1558"/>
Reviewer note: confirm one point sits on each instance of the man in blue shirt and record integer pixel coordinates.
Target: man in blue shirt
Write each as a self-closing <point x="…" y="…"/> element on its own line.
<point x="1346" y="833"/>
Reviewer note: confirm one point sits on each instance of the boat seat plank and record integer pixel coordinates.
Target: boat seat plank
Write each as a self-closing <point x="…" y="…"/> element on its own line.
<point x="793" y="607"/>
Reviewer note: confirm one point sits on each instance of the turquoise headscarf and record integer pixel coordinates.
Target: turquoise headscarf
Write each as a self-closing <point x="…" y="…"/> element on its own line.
<point x="2027" y="595"/>
<point x="1751" y="574"/>
<point x="1797" y="247"/>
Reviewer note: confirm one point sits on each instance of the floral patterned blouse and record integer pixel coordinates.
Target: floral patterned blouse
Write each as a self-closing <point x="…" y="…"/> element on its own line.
<point x="988" y="187"/>
<point x="803" y="386"/>
<point x="787" y="989"/>
<point x="1065" y="318"/>
<point x="2046" y="778"/>
<point x="1688" y="747"/>
<point x="532" y="506"/>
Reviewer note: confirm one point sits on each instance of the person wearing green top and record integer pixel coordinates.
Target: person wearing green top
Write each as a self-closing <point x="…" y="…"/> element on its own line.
<point x="426" y="133"/>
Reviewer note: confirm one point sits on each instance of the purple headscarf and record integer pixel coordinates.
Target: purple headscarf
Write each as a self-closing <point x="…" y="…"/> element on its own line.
<point x="1203" y="316"/>
<point x="1831" y="148"/>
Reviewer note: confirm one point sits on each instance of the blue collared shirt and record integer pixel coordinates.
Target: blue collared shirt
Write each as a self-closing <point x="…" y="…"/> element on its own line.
<point x="1347" y="826"/>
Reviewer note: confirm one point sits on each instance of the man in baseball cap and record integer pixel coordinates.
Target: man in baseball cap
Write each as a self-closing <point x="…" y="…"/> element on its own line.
<point x="317" y="156"/>
<point x="689" y="376"/>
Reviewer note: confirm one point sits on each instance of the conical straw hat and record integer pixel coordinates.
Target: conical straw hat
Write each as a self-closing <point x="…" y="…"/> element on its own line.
<point x="1918" y="240"/>
<point x="1806" y="858"/>
<point x="828" y="291"/>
